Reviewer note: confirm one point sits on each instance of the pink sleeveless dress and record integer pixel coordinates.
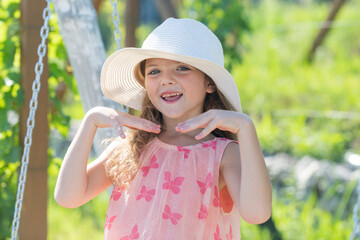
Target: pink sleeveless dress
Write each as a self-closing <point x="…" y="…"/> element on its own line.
<point x="175" y="196"/>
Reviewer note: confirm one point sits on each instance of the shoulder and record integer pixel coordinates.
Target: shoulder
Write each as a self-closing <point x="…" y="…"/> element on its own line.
<point x="231" y="155"/>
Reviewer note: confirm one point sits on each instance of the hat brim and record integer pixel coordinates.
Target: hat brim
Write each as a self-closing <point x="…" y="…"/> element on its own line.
<point x="119" y="82"/>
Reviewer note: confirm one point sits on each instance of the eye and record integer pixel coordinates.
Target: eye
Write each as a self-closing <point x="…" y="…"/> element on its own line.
<point x="153" y="72"/>
<point x="183" y="68"/>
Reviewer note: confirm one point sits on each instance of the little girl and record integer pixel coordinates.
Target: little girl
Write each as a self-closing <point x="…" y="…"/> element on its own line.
<point x="190" y="165"/>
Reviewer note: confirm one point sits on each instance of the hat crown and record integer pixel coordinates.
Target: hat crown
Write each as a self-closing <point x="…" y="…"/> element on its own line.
<point x="186" y="37"/>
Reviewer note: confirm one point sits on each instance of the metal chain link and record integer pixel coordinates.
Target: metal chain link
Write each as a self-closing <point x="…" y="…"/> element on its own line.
<point x="117" y="34"/>
<point x="116" y="21"/>
<point x="356" y="230"/>
<point x="44" y="32"/>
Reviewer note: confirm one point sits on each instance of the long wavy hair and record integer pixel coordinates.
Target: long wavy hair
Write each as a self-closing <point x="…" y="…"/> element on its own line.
<point x="124" y="161"/>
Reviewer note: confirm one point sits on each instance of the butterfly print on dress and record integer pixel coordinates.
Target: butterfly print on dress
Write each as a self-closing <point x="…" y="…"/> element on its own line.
<point x="173" y="185"/>
<point x="216" y="200"/>
<point x="153" y="164"/>
<point x="203" y="212"/>
<point x="173" y="216"/>
<point x="212" y="144"/>
<point x="116" y="194"/>
<point x="148" y="195"/>
<point x="185" y="150"/>
<point x="109" y="221"/>
<point x="217" y="233"/>
<point x="207" y="184"/>
<point x="133" y="236"/>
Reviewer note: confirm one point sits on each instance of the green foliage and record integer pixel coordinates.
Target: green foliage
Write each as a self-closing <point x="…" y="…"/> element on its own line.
<point x="12" y="97"/>
<point x="85" y="222"/>
<point x="227" y="19"/>
<point x="8" y="178"/>
<point x="301" y="220"/>
<point x="304" y="220"/>
<point x="10" y="101"/>
<point x="301" y="108"/>
<point x="60" y="79"/>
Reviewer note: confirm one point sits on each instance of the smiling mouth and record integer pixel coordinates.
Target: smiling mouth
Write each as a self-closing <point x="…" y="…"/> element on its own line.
<point x="173" y="97"/>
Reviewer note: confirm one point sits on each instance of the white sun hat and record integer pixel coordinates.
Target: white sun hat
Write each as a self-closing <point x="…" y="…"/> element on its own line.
<point x="183" y="40"/>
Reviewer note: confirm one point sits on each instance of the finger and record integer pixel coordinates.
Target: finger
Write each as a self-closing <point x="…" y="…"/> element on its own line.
<point x="207" y="130"/>
<point x="200" y="121"/>
<point x="119" y="129"/>
<point x="141" y="124"/>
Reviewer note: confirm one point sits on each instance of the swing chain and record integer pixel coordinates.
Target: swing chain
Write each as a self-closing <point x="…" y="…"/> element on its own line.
<point x="356" y="230"/>
<point x="116" y="21"/>
<point x="117" y="35"/>
<point x="44" y="32"/>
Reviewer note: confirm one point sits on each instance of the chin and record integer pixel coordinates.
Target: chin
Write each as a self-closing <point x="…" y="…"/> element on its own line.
<point x="176" y="113"/>
<point x="172" y="115"/>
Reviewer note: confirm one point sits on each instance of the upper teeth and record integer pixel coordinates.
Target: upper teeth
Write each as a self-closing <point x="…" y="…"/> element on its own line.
<point x="171" y="95"/>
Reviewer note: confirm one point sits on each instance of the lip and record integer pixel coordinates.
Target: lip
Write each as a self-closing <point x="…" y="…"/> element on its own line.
<point x="171" y="93"/>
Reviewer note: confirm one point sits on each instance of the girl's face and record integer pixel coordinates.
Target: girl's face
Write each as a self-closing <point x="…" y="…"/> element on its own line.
<point x="176" y="89"/>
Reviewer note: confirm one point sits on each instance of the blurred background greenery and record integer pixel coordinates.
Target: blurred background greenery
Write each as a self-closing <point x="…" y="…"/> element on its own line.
<point x="300" y="108"/>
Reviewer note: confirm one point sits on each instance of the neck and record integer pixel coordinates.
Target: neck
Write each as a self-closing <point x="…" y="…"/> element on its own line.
<point x="171" y="136"/>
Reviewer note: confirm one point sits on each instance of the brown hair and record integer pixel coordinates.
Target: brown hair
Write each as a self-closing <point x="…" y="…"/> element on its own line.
<point x="124" y="161"/>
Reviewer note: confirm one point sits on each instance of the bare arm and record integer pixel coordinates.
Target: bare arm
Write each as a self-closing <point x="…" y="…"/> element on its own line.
<point x="246" y="176"/>
<point x="243" y="165"/>
<point x="72" y="188"/>
<point x="79" y="182"/>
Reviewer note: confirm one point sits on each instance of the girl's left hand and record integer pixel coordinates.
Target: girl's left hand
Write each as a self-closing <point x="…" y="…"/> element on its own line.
<point x="215" y="118"/>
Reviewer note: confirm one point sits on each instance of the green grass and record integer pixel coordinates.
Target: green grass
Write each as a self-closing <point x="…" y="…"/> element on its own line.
<point x="297" y="220"/>
<point x="72" y="223"/>
<point x="291" y="100"/>
<point x="85" y="222"/>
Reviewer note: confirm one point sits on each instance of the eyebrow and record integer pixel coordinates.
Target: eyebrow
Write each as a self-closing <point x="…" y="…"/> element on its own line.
<point x="152" y="65"/>
<point x="157" y="64"/>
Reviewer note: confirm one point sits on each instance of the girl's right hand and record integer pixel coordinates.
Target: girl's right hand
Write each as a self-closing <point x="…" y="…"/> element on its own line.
<point x="103" y="117"/>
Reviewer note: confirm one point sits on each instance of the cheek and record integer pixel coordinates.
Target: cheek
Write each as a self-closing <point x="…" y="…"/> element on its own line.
<point x="149" y="87"/>
<point x="150" y="93"/>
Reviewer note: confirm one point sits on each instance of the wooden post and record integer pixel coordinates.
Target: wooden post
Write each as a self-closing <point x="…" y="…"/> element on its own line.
<point x="131" y="22"/>
<point x="97" y="4"/>
<point x="166" y="9"/>
<point x="33" y="223"/>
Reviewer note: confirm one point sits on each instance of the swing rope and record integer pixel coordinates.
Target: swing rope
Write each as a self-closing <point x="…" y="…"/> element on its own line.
<point x="44" y="33"/>
<point x="356" y="229"/>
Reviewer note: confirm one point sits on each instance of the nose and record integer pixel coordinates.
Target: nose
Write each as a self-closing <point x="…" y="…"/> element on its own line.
<point x="167" y="78"/>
